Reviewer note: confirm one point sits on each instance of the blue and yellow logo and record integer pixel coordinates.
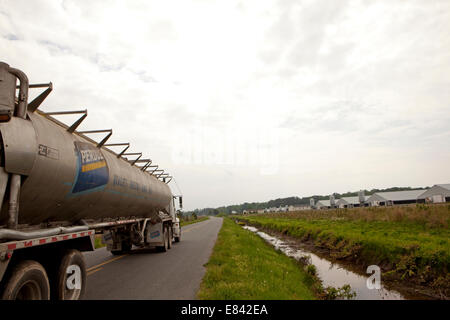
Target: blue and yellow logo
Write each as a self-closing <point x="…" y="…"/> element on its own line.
<point x="92" y="170"/>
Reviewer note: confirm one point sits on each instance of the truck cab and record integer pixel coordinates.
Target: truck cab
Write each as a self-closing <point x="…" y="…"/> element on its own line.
<point x="176" y="227"/>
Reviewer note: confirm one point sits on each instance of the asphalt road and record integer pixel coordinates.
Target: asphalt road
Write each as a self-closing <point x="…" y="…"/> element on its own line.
<point x="148" y="274"/>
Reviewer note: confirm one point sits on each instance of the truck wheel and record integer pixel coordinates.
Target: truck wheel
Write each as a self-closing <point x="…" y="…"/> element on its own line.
<point x="164" y="247"/>
<point x="28" y="281"/>
<point x="126" y="247"/>
<point x="169" y="238"/>
<point x="70" y="278"/>
<point x="178" y="239"/>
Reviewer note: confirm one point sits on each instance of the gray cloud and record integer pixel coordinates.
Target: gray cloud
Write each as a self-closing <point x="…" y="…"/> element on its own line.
<point x="325" y="76"/>
<point x="55" y="47"/>
<point x="11" y="37"/>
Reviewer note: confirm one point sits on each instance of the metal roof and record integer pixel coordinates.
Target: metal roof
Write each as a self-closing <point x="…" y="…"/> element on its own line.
<point x="351" y="200"/>
<point x="325" y="203"/>
<point x="437" y="189"/>
<point x="398" y="195"/>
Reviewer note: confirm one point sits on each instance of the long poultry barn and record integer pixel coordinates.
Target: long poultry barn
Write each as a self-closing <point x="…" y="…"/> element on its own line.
<point x="438" y="193"/>
<point x="395" y="197"/>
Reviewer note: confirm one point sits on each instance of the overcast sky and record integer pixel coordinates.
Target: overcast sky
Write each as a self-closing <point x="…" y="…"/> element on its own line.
<point x="251" y="100"/>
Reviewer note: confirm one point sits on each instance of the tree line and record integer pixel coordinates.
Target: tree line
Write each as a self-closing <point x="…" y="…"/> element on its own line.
<point x="289" y="201"/>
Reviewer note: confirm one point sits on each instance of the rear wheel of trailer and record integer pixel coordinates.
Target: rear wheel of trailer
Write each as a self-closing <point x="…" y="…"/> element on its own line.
<point x="69" y="278"/>
<point x="27" y="280"/>
<point x="165" y="245"/>
<point x="126" y="247"/>
<point x="169" y="237"/>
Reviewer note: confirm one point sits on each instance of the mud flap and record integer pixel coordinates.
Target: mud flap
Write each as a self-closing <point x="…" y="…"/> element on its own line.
<point x="154" y="236"/>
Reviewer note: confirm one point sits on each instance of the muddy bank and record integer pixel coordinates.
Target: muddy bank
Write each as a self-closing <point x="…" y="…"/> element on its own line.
<point x="393" y="286"/>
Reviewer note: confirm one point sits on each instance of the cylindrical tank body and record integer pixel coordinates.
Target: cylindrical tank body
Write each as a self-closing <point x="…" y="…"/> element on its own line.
<point x="67" y="177"/>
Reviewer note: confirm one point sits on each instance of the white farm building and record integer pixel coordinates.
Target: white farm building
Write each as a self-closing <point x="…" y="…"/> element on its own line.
<point x="323" y="204"/>
<point x="436" y="194"/>
<point x="394" y="197"/>
<point x="350" y="202"/>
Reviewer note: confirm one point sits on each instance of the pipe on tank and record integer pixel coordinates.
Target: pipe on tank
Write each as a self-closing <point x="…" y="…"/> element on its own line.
<point x="21" y="111"/>
<point x="14" y="194"/>
<point x="4" y="177"/>
<point x="23" y="92"/>
<point x="8" y="234"/>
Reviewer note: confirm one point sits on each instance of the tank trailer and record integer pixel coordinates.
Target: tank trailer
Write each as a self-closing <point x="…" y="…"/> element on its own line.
<point x="59" y="188"/>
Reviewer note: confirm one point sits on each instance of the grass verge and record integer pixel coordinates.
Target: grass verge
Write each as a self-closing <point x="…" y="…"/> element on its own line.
<point x="244" y="266"/>
<point x="407" y="249"/>
<point x="185" y="223"/>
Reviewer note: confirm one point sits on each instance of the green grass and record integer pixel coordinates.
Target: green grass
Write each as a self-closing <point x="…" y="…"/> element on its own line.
<point x="185" y="223"/>
<point x="410" y="247"/>
<point x="243" y="266"/>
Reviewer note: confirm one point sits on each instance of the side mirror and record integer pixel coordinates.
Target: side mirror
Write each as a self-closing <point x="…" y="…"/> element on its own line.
<point x="180" y="199"/>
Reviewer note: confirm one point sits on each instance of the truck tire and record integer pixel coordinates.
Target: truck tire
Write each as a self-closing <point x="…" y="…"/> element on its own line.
<point x="169" y="237"/>
<point x="165" y="246"/>
<point x="178" y="239"/>
<point x="69" y="282"/>
<point x="126" y="247"/>
<point x="27" y="281"/>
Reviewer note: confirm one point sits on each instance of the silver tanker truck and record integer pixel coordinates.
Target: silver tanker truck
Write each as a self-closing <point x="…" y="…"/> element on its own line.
<point x="59" y="188"/>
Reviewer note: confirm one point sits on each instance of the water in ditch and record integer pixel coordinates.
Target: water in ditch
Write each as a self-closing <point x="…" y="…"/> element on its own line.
<point x="332" y="274"/>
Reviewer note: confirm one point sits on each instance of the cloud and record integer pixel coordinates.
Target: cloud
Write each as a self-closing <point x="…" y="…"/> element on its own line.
<point x="11" y="37"/>
<point x="350" y="89"/>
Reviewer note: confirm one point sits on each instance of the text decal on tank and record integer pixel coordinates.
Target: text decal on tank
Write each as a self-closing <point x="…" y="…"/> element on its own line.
<point x="92" y="170"/>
